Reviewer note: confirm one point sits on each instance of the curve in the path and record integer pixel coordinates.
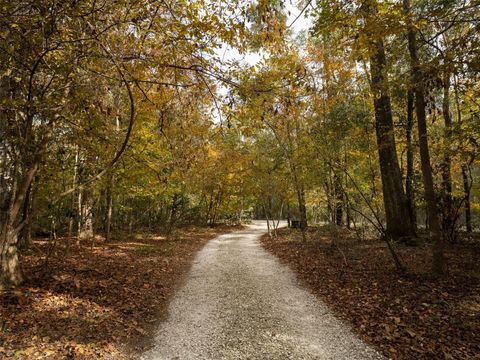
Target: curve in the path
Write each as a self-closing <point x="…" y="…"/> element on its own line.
<point x="240" y="302"/>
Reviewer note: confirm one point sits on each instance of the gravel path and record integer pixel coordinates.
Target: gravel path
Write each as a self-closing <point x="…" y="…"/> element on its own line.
<point x="240" y="302"/>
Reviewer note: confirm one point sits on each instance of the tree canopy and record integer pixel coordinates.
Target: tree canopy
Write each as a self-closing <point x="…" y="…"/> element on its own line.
<point x="122" y="114"/>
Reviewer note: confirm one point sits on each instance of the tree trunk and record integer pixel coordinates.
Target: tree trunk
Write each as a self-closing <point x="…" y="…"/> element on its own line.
<point x="465" y="169"/>
<point x="466" y="192"/>
<point x="26" y="234"/>
<point x="409" y="180"/>
<point x="85" y="230"/>
<point x="438" y="266"/>
<point x="448" y="217"/>
<point x="72" y="204"/>
<point x="268" y="220"/>
<point x="109" y="199"/>
<point x="10" y="224"/>
<point x="280" y="216"/>
<point x="348" y="213"/>
<point x="339" y="199"/>
<point x="173" y="212"/>
<point x="130" y="224"/>
<point x="11" y="272"/>
<point x="209" y="208"/>
<point x="289" y="222"/>
<point x="302" y="208"/>
<point x="346" y="200"/>
<point x="330" y="195"/>
<point x="109" y="209"/>
<point x="399" y="223"/>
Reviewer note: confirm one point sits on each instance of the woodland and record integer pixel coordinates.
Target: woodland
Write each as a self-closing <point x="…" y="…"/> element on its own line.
<point x="124" y="129"/>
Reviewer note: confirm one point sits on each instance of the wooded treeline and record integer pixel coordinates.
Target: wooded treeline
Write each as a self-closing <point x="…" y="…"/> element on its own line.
<point x="374" y="115"/>
<point x="106" y="116"/>
<point x="117" y="115"/>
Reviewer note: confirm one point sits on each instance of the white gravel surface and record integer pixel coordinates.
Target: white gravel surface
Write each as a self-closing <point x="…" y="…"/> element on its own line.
<point x="240" y="302"/>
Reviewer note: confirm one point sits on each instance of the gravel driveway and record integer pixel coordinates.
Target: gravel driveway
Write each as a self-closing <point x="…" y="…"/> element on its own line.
<point x="240" y="302"/>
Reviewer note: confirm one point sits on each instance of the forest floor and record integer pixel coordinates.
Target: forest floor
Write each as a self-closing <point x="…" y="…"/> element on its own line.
<point x="100" y="302"/>
<point x="411" y="317"/>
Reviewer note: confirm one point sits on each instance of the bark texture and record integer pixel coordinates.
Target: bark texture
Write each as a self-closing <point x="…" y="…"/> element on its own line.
<point x="409" y="180"/>
<point x="399" y="223"/>
<point x="438" y="265"/>
<point x="448" y="216"/>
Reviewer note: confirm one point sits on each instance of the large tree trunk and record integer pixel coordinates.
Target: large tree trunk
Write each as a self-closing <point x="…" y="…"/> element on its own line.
<point x="438" y="266"/>
<point x="11" y="272"/>
<point x="15" y="195"/>
<point x="409" y="180"/>
<point x="399" y="223"/>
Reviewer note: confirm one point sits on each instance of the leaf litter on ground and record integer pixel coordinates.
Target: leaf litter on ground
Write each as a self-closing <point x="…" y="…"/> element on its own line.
<point x="405" y="317"/>
<point x="96" y="303"/>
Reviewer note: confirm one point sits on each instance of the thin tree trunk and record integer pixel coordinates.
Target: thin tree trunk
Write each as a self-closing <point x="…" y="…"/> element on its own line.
<point x="465" y="169"/>
<point x="348" y="213"/>
<point x="346" y="200"/>
<point x="268" y="220"/>
<point x="448" y="208"/>
<point x="109" y="200"/>
<point x="109" y="209"/>
<point x="329" y="192"/>
<point x="289" y="222"/>
<point x="438" y="266"/>
<point x="72" y="204"/>
<point x="79" y="215"/>
<point x="409" y="181"/>
<point x="209" y="208"/>
<point x="338" y="200"/>
<point x="302" y="208"/>
<point x="466" y="191"/>
<point x="280" y="215"/>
